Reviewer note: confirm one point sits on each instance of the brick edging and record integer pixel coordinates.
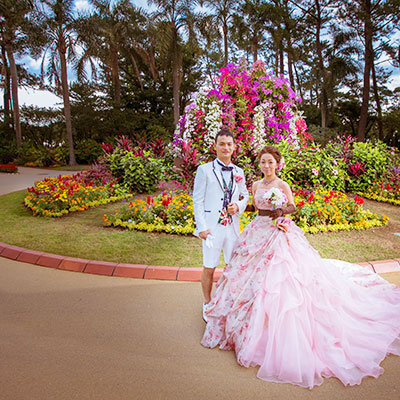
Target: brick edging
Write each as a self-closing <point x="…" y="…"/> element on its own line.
<point x="102" y="267"/>
<point x="138" y="271"/>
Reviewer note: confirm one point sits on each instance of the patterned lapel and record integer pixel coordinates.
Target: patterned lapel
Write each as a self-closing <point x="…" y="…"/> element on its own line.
<point x="234" y="184"/>
<point x="218" y="175"/>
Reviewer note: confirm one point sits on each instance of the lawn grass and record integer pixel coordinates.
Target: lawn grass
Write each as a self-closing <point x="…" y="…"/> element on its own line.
<point x="83" y="235"/>
<point x="77" y="168"/>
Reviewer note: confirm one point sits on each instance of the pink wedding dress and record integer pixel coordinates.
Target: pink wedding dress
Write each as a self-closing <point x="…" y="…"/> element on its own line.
<point x="298" y="316"/>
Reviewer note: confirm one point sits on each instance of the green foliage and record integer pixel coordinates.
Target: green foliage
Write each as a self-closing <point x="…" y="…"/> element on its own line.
<point x="138" y="174"/>
<point x="312" y="167"/>
<point x="375" y="157"/>
<point x="61" y="154"/>
<point x="87" y="151"/>
<point x="334" y="167"/>
<point x="8" y="150"/>
<point x="29" y="153"/>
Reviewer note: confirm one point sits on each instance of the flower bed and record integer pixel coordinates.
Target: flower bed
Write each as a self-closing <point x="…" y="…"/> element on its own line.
<point x="54" y="197"/>
<point x="320" y="211"/>
<point x="10" y="168"/>
<point x="331" y="211"/>
<point x="386" y="190"/>
<point x="377" y="197"/>
<point x="170" y="213"/>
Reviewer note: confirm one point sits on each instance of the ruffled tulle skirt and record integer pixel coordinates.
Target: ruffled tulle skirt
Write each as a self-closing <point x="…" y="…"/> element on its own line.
<point x="300" y="317"/>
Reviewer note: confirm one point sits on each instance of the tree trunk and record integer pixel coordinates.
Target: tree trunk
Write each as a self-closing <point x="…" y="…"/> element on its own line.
<point x="368" y="57"/>
<point x="289" y="47"/>
<point x="153" y="67"/>
<point x="115" y="76"/>
<point x="290" y="69"/>
<point x="378" y="103"/>
<point x="225" y="30"/>
<point x="323" y="96"/>
<point x="176" y="77"/>
<point x="137" y="72"/>
<point x="254" y="47"/>
<point x="281" y="60"/>
<point x="298" y="81"/>
<point x="175" y="91"/>
<point x="67" y="107"/>
<point x="7" y="90"/>
<point x="14" y="90"/>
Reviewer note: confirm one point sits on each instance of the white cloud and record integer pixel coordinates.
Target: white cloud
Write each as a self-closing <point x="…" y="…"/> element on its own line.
<point x="35" y="64"/>
<point x="82" y="5"/>
<point x="39" y="98"/>
<point x="394" y="82"/>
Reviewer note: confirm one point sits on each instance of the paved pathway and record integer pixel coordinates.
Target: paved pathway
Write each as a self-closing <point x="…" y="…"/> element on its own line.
<point x="67" y="335"/>
<point x="26" y="177"/>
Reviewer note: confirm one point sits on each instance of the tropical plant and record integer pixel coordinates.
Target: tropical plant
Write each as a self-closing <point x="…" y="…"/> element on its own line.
<point x="56" y="19"/>
<point x="175" y="17"/>
<point x="13" y="20"/>
<point x="136" y="173"/>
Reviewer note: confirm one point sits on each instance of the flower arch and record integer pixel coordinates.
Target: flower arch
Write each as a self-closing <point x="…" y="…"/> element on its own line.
<point x="257" y="107"/>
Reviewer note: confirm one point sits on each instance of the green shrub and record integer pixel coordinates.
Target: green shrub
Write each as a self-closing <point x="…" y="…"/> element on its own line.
<point x="138" y="174"/>
<point x="29" y="153"/>
<point x="61" y="154"/>
<point x="87" y="151"/>
<point x="313" y="167"/>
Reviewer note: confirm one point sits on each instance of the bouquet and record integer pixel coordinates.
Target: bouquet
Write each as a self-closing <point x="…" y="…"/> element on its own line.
<point x="275" y="197"/>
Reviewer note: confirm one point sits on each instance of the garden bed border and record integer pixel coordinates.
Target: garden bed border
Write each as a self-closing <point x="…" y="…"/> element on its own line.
<point x="138" y="271"/>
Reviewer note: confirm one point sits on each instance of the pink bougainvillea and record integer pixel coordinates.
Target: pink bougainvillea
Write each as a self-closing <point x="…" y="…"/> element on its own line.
<point x="257" y="107"/>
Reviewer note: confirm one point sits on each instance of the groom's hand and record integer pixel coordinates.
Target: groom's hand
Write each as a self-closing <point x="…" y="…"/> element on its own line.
<point x="233" y="208"/>
<point x="203" y="235"/>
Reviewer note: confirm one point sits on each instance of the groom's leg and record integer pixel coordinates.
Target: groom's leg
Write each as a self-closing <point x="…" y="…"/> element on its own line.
<point x="230" y="242"/>
<point x="211" y="261"/>
<point x="206" y="283"/>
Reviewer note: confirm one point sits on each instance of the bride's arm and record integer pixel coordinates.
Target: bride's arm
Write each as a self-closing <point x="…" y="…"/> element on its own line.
<point x="252" y="207"/>
<point x="291" y="207"/>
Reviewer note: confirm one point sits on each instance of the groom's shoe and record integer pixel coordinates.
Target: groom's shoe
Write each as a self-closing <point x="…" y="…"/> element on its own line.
<point x="204" y="313"/>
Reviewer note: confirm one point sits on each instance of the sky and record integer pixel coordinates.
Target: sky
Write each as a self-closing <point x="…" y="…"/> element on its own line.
<point x="42" y="98"/>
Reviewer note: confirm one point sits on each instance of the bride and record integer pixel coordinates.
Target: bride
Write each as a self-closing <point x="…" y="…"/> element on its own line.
<point x="297" y="316"/>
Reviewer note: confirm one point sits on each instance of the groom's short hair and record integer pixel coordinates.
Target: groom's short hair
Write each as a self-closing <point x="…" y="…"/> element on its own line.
<point x="224" y="132"/>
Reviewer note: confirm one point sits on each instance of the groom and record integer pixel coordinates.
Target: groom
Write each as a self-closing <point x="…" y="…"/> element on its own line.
<point x="218" y="186"/>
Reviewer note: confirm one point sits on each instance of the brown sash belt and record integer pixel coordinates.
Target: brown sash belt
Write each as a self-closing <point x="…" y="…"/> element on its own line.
<point x="263" y="213"/>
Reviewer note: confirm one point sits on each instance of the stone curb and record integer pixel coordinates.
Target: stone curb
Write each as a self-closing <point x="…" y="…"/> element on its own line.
<point x="138" y="271"/>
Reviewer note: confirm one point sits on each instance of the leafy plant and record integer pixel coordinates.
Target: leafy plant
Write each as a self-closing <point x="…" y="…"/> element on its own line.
<point x="87" y="151"/>
<point x="136" y="173"/>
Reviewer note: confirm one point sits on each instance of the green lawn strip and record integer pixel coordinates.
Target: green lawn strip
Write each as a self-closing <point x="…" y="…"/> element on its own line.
<point x="76" y="168"/>
<point x="83" y="235"/>
<point x="368" y="245"/>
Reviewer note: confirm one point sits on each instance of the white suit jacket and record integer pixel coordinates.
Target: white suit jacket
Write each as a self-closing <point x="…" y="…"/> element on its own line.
<point x="208" y="196"/>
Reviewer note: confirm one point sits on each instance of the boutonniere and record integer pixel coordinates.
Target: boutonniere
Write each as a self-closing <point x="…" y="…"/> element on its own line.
<point x="237" y="178"/>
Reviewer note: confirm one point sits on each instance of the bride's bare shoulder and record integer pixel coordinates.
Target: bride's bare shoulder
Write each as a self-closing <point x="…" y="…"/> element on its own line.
<point x="255" y="185"/>
<point x="284" y="185"/>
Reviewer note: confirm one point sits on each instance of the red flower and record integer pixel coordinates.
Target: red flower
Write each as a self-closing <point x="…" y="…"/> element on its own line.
<point x="301" y="203"/>
<point x="358" y="200"/>
<point x="149" y="200"/>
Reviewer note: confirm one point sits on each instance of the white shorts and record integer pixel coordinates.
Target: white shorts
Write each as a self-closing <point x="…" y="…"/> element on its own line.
<point x="225" y="239"/>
